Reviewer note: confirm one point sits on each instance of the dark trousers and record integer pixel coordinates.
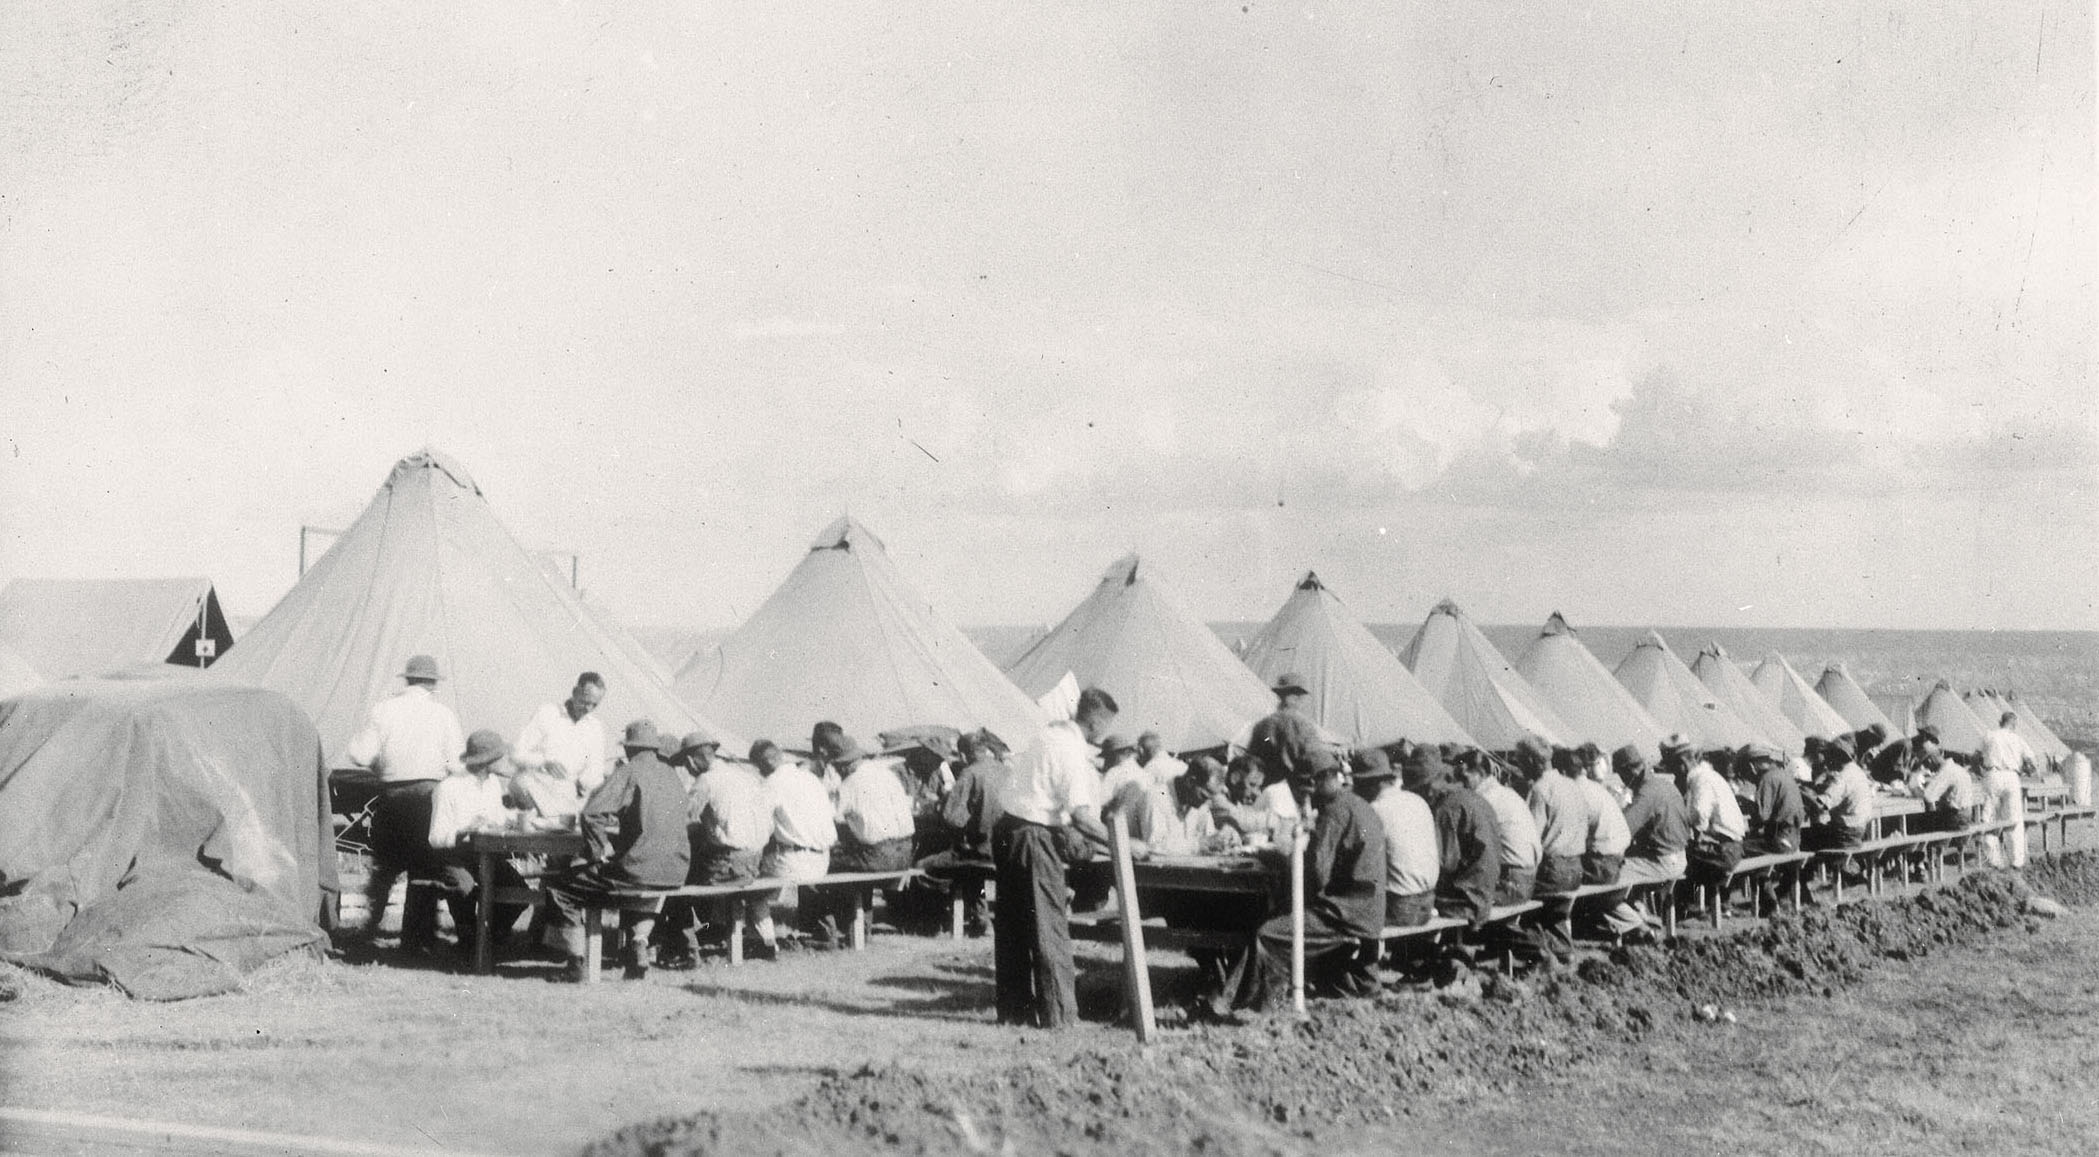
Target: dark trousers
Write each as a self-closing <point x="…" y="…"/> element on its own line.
<point x="1707" y="863"/>
<point x="1335" y="956"/>
<point x="1409" y="911"/>
<point x="1599" y="868"/>
<point x="1548" y="925"/>
<point x="1032" y="927"/>
<point x="401" y="846"/>
<point x="575" y="889"/>
<point x="685" y="919"/>
<point x="1831" y="837"/>
<point x="462" y="891"/>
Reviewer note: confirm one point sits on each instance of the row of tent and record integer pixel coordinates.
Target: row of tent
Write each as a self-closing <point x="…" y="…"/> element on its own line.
<point x="429" y="568"/>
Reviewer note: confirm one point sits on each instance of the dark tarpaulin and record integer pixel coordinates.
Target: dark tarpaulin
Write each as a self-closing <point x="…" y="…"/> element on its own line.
<point x="162" y="834"/>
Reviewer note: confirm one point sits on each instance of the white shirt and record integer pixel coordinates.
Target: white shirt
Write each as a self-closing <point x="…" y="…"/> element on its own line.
<point x="1608" y="835"/>
<point x="1165" y="768"/>
<point x="578" y="745"/>
<point x="1519" y="830"/>
<point x="738" y="812"/>
<point x="2006" y="750"/>
<point x="1122" y="775"/>
<point x="1714" y="811"/>
<point x="802" y="816"/>
<point x="463" y="802"/>
<point x="1412" y="861"/>
<point x="1279" y="801"/>
<point x="409" y="737"/>
<point x="1158" y="821"/>
<point x="1053" y="778"/>
<point x="872" y="802"/>
<point x="549" y="795"/>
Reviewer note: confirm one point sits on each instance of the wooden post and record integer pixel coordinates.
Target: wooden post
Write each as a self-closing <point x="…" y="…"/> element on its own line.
<point x="593" y="942"/>
<point x="1298" y="840"/>
<point x="484" y="950"/>
<point x="1136" y="970"/>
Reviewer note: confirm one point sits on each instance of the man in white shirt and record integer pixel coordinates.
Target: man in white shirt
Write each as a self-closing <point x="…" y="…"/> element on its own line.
<point x="1051" y="800"/>
<point x="412" y="741"/>
<point x="1412" y="858"/>
<point x="1121" y="773"/>
<point x="1948" y="790"/>
<point x="472" y="801"/>
<point x="2005" y="755"/>
<point x="1608" y="836"/>
<point x="729" y="818"/>
<point x="1717" y="823"/>
<point x="1520" y="847"/>
<point x="561" y="752"/>
<point x="1153" y="757"/>
<point x="804" y="828"/>
<point x="875" y="824"/>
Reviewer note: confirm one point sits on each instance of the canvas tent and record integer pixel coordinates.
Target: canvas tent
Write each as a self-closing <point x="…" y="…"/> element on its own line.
<point x="165" y="834"/>
<point x="1797" y="698"/>
<point x="1360" y="693"/>
<point x="1133" y="638"/>
<point x="16" y="675"/>
<point x="2055" y="742"/>
<point x="429" y="569"/>
<point x="1848" y="699"/>
<point x="1901" y="711"/>
<point x="847" y="638"/>
<point x="1945" y="712"/>
<point x="1661" y="683"/>
<point x="88" y="626"/>
<point x="1727" y="682"/>
<point x="1479" y="687"/>
<point x="1595" y="706"/>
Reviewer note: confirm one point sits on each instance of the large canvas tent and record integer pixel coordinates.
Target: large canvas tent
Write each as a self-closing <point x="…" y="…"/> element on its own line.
<point x="1595" y="706"/>
<point x="1944" y="712"/>
<point x="429" y="569"/>
<point x="1797" y="698"/>
<point x="165" y="834"/>
<point x="1661" y="683"/>
<point x="1360" y="693"/>
<point x="89" y="626"/>
<point x="1133" y="638"/>
<point x="16" y="675"/>
<point x="1727" y="682"/>
<point x="1848" y="699"/>
<point x="1478" y="686"/>
<point x="847" y="638"/>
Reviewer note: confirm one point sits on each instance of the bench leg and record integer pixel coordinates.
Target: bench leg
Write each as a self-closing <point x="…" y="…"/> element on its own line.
<point x="1716" y="895"/>
<point x="955" y="908"/>
<point x="593" y="943"/>
<point x="862" y="904"/>
<point x="737" y="911"/>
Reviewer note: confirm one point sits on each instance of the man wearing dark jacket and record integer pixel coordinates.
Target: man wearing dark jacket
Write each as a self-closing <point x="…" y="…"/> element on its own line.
<point x="1344" y="895"/>
<point x="1468" y="838"/>
<point x="635" y="828"/>
<point x="1661" y="828"/>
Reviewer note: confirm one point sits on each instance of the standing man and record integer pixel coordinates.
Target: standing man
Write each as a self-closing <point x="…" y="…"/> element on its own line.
<point x="2005" y="756"/>
<point x="1287" y="742"/>
<point x="561" y="751"/>
<point x="1053" y="792"/>
<point x="412" y="741"/>
<point x="634" y="825"/>
<point x="1344" y="897"/>
<point x="1661" y="829"/>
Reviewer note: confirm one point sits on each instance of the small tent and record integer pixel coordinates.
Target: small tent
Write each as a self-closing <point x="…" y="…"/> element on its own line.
<point x="1726" y="681"/>
<point x="1360" y="693"/>
<point x="428" y="568"/>
<point x="1797" y="698"/>
<point x="847" y="638"/>
<point x="1944" y="712"/>
<point x="1848" y="699"/>
<point x="16" y="675"/>
<point x="1661" y="683"/>
<point x="1133" y="638"/>
<point x="1901" y="711"/>
<point x="165" y="834"/>
<point x="89" y="626"/>
<point x="1455" y="661"/>
<point x="1596" y="707"/>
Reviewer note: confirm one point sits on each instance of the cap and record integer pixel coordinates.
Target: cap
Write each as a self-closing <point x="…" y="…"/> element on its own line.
<point x="421" y="667"/>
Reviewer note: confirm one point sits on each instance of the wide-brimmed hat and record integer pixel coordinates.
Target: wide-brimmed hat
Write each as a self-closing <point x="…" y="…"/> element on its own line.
<point x="1424" y="766"/>
<point x="641" y="733"/>
<point x="1536" y="748"/>
<point x="693" y="741"/>
<point x="1374" y="766"/>
<point x="1290" y="684"/>
<point x="846" y="750"/>
<point x="421" y="667"/>
<point x="1677" y="743"/>
<point x="484" y="747"/>
<point x="1763" y="753"/>
<point x="1927" y="732"/>
<point x="1115" y="743"/>
<point x="1627" y="758"/>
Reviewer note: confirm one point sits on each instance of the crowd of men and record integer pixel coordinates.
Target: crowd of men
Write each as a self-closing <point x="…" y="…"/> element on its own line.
<point x="1396" y="835"/>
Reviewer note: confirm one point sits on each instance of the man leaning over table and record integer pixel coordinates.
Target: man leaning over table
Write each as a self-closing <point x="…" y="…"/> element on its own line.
<point x="560" y="754"/>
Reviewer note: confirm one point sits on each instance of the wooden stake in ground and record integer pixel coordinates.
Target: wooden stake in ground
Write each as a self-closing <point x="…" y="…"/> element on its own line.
<point x="1298" y="840"/>
<point x="1136" y="970"/>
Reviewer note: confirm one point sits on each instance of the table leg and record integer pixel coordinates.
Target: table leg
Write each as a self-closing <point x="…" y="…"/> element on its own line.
<point x="593" y="942"/>
<point x="484" y="916"/>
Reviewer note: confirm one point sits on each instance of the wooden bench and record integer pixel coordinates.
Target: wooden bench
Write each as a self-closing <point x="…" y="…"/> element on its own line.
<point x="1437" y="927"/>
<point x="862" y="884"/>
<point x="1969" y="839"/>
<point x="2063" y="816"/>
<point x="1750" y="868"/>
<point x="1664" y="892"/>
<point x="1106" y="925"/>
<point x="963" y="878"/>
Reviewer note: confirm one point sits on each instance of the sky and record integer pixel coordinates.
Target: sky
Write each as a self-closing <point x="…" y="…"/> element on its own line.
<point x="1774" y="315"/>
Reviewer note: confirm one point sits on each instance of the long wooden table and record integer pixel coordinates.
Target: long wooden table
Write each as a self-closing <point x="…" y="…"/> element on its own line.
<point x="489" y="847"/>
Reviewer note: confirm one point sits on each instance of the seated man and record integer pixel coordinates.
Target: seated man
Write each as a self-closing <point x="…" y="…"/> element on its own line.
<point x="1242" y="808"/>
<point x="728" y="821"/>
<point x="1947" y="788"/>
<point x="1173" y="818"/>
<point x="1156" y="760"/>
<point x="875" y="824"/>
<point x="804" y="830"/>
<point x="1468" y="841"/>
<point x="1717" y="826"/>
<point x="1411" y="856"/>
<point x="634" y="825"/>
<point x="1561" y="813"/>
<point x="1841" y="803"/>
<point x="1520" y="847"/>
<point x="1123" y="779"/>
<point x="1773" y="823"/>
<point x="472" y="801"/>
<point x="1661" y="828"/>
<point x="969" y="813"/>
<point x="1344" y="898"/>
<point x="1604" y="844"/>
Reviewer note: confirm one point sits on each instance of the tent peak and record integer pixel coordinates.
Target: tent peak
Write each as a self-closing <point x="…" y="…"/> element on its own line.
<point x="1124" y="570"/>
<point x="429" y="458"/>
<point x="1653" y="639"/>
<point x="1557" y="625"/>
<point x="1311" y="582"/>
<point x="1448" y="607"/>
<point x="1714" y="649"/>
<point x="844" y="533"/>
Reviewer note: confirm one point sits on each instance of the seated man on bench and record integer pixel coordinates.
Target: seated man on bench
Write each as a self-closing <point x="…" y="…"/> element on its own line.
<point x="1344" y="896"/>
<point x="1947" y="788"/>
<point x="469" y="802"/>
<point x="635" y="827"/>
<point x="1661" y="829"/>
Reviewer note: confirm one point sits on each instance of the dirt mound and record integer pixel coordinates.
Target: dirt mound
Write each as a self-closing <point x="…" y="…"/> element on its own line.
<point x="1277" y="1085"/>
